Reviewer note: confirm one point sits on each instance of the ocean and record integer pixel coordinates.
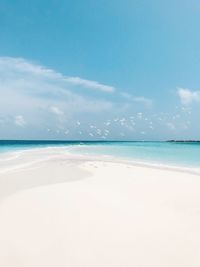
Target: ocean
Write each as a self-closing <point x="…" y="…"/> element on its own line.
<point x="167" y="153"/>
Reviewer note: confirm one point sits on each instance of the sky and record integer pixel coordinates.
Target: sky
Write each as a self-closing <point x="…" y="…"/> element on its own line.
<point x="100" y="70"/>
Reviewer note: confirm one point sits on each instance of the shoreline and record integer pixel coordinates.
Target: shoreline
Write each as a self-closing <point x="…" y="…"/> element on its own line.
<point x="108" y="158"/>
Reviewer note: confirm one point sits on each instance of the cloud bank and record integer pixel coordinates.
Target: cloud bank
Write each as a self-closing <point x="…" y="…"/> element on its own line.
<point x="40" y="103"/>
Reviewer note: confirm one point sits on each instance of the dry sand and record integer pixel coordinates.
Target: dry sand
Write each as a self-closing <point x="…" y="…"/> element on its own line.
<point x="64" y="210"/>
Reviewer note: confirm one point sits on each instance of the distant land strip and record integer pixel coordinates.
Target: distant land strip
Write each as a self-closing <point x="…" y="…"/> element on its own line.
<point x="184" y="141"/>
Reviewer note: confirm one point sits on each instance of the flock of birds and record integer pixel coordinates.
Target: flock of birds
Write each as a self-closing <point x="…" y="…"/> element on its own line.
<point x="139" y="123"/>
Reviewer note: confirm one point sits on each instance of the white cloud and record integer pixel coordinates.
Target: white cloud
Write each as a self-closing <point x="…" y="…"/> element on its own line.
<point x="18" y="66"/>
<point x="139" y="99"/>
<point x="187" y="96"/>
<point x="90" y="84"/>
<point x="19" y="121"/>
<point x="49" y="99"/>
<point x="54" y="101"/>
<point x="27" y="86"/>
<point x="56" y="111"/>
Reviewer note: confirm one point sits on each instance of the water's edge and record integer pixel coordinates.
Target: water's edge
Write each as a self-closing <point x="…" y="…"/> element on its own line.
<point x="68" y="150"/>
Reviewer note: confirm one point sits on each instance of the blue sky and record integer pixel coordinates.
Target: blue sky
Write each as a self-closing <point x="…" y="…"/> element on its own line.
<point x="99" y="69"/>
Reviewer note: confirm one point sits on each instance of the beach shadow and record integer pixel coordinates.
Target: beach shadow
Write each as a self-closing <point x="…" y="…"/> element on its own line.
<point x="43" y="174"/>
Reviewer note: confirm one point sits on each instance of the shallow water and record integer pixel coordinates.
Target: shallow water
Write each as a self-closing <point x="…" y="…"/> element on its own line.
<point x="177" y="154"/>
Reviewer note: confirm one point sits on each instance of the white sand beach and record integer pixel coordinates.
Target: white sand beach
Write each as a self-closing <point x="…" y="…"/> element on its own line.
<point x="58" y="209"/>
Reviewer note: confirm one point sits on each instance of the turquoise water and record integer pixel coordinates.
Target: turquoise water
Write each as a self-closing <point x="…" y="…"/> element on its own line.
<point x="177" y="154"/>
